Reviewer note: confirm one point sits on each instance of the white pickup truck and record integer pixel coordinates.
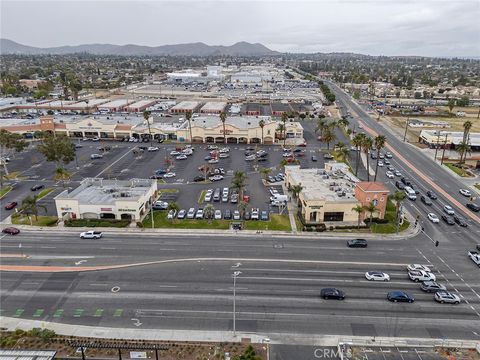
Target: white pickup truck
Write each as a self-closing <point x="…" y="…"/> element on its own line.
<point x="475" y="256"/>
<point x="91" y="235"/>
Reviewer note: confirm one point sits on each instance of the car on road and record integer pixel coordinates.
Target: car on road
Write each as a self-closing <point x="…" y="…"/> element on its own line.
<point x="445" y="297"/>
<point x="199" y="214"/>
<point x="448" y="209"/>
<point x="314" y="158"/>
<point x="448" y="219"/>
<point x="406" y="181"/>
<point x="181" y="214"/>
<point x="37" y="187"/>
<point x="169" y="175"/>
<point x="328" y="156"/>
<point x="460" y="221"/>
<point x="388" y="155"/>
<point x="172" y="214"/>
<point x="11" y="205"/>
<point x="332" y="293"/>
<point x="377" y="276"/>
<point x="191" y="213"/>
<point x="11" y="231"/>
<point x="420" y="275"/>
<point x="432" y="286"/>
<point x="426" y="200"/>
<point x="218" y="214"/>
<point x="400" y="296"/>
<point x="96" y="156"/>
<point x="399" y="185"/>
<point x="465" y="192"/>
<point x="255" y="214"/>
<point x="474" y="256"/>
<point x="357" y="243"/>
<point x="181" y="157"/>
<point x="152" y="148"/>
<point x="473" y="207"/>
<point x="216" y="178"/>
<point x="433" y="218"/>
<point x="92" y="234"/>
<point x="390" y="175"/>
<point x="391" y="168"/>
<point x="397" y="173"/>
<point x="432" y="195"/>
<point x="380" y="163"/>
<point x="413" y="267"/>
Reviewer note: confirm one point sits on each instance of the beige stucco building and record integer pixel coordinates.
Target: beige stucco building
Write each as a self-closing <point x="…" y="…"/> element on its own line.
<point x="107" y="199"/>
<point x="328" y="195"/>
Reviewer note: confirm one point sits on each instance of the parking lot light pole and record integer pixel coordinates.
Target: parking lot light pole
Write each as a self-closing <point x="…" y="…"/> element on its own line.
<point x="151" y="213"/>
<point x="235" y="274"/>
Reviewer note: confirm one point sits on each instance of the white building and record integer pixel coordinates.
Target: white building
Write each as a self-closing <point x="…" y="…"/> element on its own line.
<point x="107" y="199"/>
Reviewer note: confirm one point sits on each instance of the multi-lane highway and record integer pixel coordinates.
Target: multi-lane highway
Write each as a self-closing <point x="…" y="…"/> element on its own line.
<point x="276" y="292"/>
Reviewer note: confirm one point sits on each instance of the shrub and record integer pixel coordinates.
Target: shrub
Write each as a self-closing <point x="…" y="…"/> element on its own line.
<point x="96" y="223"/>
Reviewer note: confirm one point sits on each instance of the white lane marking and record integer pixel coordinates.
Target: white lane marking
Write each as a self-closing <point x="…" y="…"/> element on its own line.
<point x="113" y="163"/>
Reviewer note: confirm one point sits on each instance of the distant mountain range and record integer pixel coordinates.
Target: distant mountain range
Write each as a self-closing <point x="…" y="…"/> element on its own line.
<point x="194" y="49"/>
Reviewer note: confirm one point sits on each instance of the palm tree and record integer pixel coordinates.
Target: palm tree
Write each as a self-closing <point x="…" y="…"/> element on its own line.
<point x="343" y="122"/>
<point x="357" y="141"/>
<point x="209" y="212"/>
<point x="341" y="151"/>
<point x="239" y="181"/>
<point x="242" y="207"/>
<point x="30" y="204"/>
<point x="379" y="144"/>
<point x="265" y="172"/>
<point x="367" y="144"/>
<point x="371" y="209"/>
<point x="223" y="117"/>
<point x="329" y="136"/>
<point x="284" y="121"/>
<point x="283" y="163"/>
<point x="359" y="210"/>
<point x="321" y="124"/>
<point x="398" y="196"/>
<point x="188" y="116"/>
<point x="261" y="123"/>
<point x="280" y="128"/>
<point x="296" y="190"/>
<point x="62" y="175"/>
<point x="146" y="116"/>
<point x="462" y="149"/>
<point x="467" y="125"/>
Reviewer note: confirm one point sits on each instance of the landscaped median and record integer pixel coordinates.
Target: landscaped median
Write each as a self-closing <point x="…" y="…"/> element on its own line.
<point x="4" y="191"/>
<point x="276" y="223"/>
<point x="21" y="219"/>
<point x="458" y="170"/>
<point x="44" y="193"/>
<point x="390" y="226"/>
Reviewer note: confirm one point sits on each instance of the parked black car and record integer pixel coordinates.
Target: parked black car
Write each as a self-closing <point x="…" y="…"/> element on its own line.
<point x="247" y="215"/>
<point x="360" y="243"/>
<point x="198" y="178"/>
<point x="332" y="293"/>
<point x="473" y="207"/>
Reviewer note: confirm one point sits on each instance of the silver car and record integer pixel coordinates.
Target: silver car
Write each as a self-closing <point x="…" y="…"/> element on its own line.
<point x="446" y="297"/>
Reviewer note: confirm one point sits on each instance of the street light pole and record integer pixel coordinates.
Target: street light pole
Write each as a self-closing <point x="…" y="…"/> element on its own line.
<point x="406" y="128"/>
<point x="235" y="274"/>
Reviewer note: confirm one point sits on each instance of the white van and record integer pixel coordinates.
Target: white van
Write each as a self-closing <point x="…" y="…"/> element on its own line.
<point x="410" y="193"/>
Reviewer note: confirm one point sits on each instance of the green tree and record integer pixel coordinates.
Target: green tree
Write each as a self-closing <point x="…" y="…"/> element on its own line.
<point x="467" y="125"/>
<point x="242" y="207"/>
<point x="462" y="149"/>
<point x="146" y="116"/>
<point x="359" y="210"/>
<point x="40" y="94"/>
<point x="30" y="205"/>
<point x="357" y="141"/>
<point x="261" y="123"/>
<point x="61" y="174"/>
<point x="280" y="129"/>
<point x="371" y="209"/>
<point x="451" y="105"/>
<point x="367" y="144"/>
<point x="209" y="212"/>
<point x="239" y="182"/>
<point x="329" y="136"/>
<point x="265" y="172"/>
<point x="398" y="196"/>
<point x="59" y="149"/>
<point x="249" y="354"/>
<point x="379" y="141"/>
<point x="188" y="116"/>
<point x="341" y="151"/>
<point x="223" y="118"/>
<point x="173" y="206"/>
<point x="296" y="190"/>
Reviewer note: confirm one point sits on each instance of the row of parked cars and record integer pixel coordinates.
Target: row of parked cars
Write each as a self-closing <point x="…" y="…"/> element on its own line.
<point x="199" y="214"/>
<point x="416" y="272"/>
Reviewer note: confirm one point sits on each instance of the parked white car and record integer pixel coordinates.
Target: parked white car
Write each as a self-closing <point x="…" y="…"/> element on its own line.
<point x="169" y="175"/>
<point x="172" y="214"/>
<point x="465" y="192"/>
<point x="152" y="148"/>
<point x="191" y="213"/>
<point x="91" y="235"/>
<point x="181" y="157"/>
<point x="377" y="276"/>
<point x="218" y="214"/>
<point x="216" y="178"/>
<point x="199" y="214"/>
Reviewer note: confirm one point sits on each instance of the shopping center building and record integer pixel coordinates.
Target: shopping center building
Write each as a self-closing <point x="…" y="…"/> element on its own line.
<point x="107" y="199"/>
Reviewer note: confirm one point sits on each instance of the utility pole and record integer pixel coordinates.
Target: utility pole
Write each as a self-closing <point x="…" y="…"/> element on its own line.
<point x="436" y="147"/>
<point x="406" y="128"/>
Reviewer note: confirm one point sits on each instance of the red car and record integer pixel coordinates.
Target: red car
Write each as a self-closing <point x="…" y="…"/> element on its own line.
<point x="11" y="231"/>
<point x="11" y="205"/>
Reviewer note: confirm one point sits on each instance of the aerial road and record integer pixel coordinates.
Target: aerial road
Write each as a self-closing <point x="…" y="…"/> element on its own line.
<point x="180" y="282"/>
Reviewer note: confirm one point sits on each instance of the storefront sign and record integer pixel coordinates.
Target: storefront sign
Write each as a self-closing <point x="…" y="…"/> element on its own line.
<point x="227" y="131"/>
<point x="127" y="210"/>
<point x="316" y="207"/>
<point x="105" y="209"/>
<point x="66" y="208"/>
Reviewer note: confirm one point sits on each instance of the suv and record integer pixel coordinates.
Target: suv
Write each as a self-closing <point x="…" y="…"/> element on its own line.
<point x="420" y="275"/>
<point x="426" y="200"/>
<point x="473" y="207"/>
<point x="432" y="286"/>
<point x="216" y="195"/>
<point x="406" y="181"/>
<point x="362" y="243"/>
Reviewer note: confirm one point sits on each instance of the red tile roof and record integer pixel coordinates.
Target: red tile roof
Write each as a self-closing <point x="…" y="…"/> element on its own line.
<point x="371" y="186"/>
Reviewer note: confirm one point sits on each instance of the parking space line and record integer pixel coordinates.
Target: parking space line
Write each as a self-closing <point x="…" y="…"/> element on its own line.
<point x="78" y="312"/>
<point x="58" y="313"/>
<point x="98" y="313"/>
<point x="38" y="313"/>
<point x="118" y="313"/>
<point x="18" y="312"/>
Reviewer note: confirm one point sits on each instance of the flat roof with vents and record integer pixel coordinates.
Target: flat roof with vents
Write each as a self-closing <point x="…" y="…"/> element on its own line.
<point x="27" y="354"/>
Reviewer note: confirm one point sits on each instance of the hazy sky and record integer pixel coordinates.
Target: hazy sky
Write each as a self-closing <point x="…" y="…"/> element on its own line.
<point x="377" y="27"/>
